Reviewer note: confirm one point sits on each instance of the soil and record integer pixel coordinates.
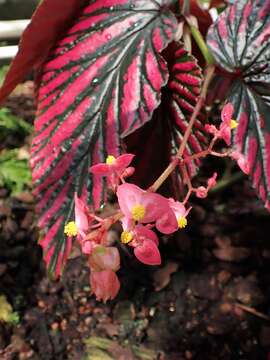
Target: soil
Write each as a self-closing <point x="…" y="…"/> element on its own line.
<point x="210" y="299"/>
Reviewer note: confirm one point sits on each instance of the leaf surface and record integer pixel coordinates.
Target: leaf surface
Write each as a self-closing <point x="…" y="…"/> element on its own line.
<point x="101" y="82"/>
<point x="240" y="42"/>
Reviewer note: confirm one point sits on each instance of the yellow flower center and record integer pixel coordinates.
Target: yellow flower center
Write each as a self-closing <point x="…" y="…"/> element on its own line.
<point x="233" y="124"/>
<point x="126" y="237"/>
<point x="71" y="229"/>
<point x="110" y="160"/>
<point x="138" y="212"/>
<point x="182" y="222"/>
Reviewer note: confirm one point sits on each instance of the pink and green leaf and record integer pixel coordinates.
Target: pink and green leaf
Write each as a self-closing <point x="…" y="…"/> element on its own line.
<point x="101" y="82"/>
<point x="240" y="43"/>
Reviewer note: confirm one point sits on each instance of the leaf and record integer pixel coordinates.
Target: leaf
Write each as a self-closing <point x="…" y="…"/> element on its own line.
<point x="11" y="124"/>
<point x="14" y="172"/>
<point x="101" y="82"/>
<point x="179" y="101"/>
<point x="50" y="19"/>
<point x="240" y="42"/>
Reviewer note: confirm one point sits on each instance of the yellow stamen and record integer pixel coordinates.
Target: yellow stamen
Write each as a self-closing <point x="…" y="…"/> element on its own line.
<point x="71" y="229"/>
<point x="110" y="160"/>
<point x="126" y="237"/>
<point x="138" y="212"/>
<point x="182" y="222"/>
<point x="234" y="124"/>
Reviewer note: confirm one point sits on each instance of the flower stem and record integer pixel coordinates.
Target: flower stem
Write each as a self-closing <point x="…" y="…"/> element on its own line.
<point x="167" y="172"/>
<point x="197" y="36"/>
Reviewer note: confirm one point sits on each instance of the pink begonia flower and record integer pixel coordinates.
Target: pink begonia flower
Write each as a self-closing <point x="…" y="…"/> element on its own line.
<point x="104" y="258"/>
<point x="104" y="284"/>
<point x="87" y="227"/>
<point x="241" y="161"/>
<point x="81" y="225"/>
<point x="141" y="206"/>
<point x="114" y="168"/>
<point x="180" y="212"/>
<point x="145" y="243"/>
<point x="226" y="126"/>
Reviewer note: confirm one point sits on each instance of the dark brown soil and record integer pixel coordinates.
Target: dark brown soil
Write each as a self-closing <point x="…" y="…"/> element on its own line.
<point x="214" y="301"/>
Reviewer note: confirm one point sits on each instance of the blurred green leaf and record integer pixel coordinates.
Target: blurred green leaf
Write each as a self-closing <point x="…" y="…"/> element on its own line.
<point x="14" y="172"/>
<point x="11" y="124"/>
<point x="6" y="312"/>
<point x="3" y="71"/>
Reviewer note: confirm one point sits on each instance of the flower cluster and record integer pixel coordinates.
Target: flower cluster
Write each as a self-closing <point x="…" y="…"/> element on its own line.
<point x="143" y="214"/>
<point x="225" y="132"/>
<point x="142" y="210"/>
<point x="104" y="261"/>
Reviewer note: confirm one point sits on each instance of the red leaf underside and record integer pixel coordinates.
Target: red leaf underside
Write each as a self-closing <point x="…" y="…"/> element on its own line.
<point x="51" y="18"/>
<point x="101" y="82"/>
<point x="240" y="42"/>
<point x="180" y="99"/>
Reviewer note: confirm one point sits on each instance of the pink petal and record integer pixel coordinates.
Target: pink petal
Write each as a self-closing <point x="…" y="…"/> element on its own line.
<point x="143" y="233"/>
<point x="155" y="205"/>
<point x="148" y="253"/>
<point x="101" y="169"/>
<point x="225" y="133"/>
<point x="81" y="218"/>
<point x="128" y="196"/>
<point x="104" y="284"/>
<point x="127" y="223"/>
<point x="241" y="161"/>
<point x="227" y="113"/>
<point x="167" y="223"/>
<point x="122" y="162"/>
<point x="178" y="208"/>
<point x="87" y="247"/>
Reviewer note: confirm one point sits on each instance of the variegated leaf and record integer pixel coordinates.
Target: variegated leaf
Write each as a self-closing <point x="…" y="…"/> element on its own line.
<point x="240" y="42"/>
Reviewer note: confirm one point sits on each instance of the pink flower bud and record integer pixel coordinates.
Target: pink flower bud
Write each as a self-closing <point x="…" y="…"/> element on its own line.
<point x="104" y="284"/>
<point x="212" y="181"/>
<point x="201" y="192"/>
<point x="128" y="172"/>
<point x="211" y="129"/>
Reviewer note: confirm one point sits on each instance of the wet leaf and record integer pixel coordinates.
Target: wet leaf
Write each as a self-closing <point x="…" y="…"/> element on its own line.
<point x="240" y="42"/>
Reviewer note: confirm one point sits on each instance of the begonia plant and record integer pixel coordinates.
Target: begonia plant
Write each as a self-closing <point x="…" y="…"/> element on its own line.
<point x="124" y="90"/>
